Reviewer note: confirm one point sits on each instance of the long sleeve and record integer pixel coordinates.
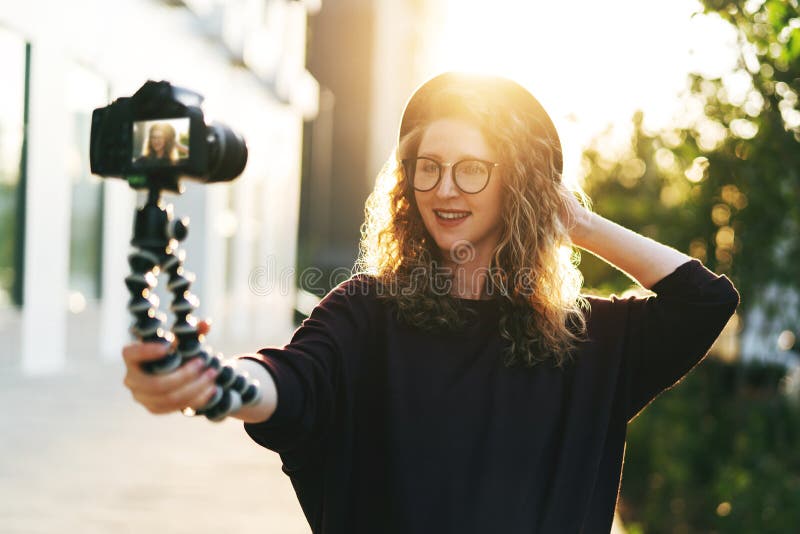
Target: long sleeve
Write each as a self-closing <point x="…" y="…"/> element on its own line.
<point x="384" y="427"/>
<point x="308" y="371"/>
<point x="671" y="332"/>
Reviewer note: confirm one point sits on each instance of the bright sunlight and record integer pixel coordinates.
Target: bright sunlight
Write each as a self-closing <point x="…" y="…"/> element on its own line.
<point x="591" y="64"/>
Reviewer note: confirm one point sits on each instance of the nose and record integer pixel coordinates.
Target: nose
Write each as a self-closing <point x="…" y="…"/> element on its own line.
<point x="447" y="187"/>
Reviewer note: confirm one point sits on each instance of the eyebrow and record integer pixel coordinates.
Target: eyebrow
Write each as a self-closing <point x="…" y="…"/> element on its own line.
<point x="439" y="158"/>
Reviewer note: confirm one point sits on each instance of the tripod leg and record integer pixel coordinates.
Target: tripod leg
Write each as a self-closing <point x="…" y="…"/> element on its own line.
<point x="155" y="239"/>
<point x="233" y="389"/>
<point x="143" y="305"/>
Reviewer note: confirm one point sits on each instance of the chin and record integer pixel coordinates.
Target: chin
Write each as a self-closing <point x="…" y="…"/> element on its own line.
<point x="448" y="245"/>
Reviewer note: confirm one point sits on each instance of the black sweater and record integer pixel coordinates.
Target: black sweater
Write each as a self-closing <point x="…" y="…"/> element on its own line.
<point x="384" y="428"/>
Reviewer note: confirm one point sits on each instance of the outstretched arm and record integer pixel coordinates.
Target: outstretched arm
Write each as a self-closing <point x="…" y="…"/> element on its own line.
<point x="262" y="411"/>
<point x="192" y="385"/>
<point x="643" y="259"/>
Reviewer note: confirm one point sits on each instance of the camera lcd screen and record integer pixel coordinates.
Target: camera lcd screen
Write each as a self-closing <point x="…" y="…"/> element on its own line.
<point x="160" y="142"/>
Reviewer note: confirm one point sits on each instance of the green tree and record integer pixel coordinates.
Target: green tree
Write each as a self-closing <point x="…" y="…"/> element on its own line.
<point x="725" y="188"/>
<point x="720" y="453"/>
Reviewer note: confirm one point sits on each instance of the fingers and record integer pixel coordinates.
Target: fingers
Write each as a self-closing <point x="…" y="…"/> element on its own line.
<point x="136" y="353"/>
<point x="164" y="384"/>
<point x="189" y="385"/>
<point x="570" y="209"/>
<point x="194" y="394"/>
<point x="203" y="394"/>
<point x="143" y="352"/>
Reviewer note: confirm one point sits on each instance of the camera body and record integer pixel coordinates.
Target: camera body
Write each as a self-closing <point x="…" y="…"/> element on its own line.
<point x="158" y="135"/>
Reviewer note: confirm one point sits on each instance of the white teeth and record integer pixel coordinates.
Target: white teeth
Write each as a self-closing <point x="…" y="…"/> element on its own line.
<point x="448" y="215"/>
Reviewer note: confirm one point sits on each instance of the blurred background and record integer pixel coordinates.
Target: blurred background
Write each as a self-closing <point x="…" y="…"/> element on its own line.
<point x="680" y="119"/>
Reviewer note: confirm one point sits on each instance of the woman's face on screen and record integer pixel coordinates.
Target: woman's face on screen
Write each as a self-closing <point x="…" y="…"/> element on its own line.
<point x="157" y="140"/>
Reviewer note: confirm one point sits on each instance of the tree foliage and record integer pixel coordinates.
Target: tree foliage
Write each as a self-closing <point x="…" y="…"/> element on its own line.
<point x="723" y="186"/>
<point x="720" y="453"/>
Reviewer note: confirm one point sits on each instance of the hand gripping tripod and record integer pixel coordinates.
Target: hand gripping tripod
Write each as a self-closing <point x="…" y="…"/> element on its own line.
<point x="155" y="240"/>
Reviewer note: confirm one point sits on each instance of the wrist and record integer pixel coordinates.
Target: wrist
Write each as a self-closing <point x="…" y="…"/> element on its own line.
<point x="583" y="229"/>
<point x="265" y="407"/>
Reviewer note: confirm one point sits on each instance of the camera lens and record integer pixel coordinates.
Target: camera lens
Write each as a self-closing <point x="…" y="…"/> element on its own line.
<point x="227" y="153"/>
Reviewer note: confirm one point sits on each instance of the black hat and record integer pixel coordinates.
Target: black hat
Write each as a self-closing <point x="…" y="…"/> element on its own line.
<point x="418" y="110"/>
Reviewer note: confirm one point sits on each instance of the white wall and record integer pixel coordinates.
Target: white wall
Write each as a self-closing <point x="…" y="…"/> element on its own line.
<point x="127" y="42"/>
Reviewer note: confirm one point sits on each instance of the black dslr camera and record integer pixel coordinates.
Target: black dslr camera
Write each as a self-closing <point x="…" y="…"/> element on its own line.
<point x="157" y="135"/>
<point x="152" y="139"/>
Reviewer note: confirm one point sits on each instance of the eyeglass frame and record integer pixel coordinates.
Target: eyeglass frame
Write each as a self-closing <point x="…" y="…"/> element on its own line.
<point x="489" y="164"/>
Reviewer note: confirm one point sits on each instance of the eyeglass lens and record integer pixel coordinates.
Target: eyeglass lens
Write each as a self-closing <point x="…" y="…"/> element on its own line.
<point x="470" y="175"/>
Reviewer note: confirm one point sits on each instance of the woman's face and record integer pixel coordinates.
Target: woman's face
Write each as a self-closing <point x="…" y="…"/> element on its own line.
<point x="479" y="215"/>
<point x="157" y="140"/>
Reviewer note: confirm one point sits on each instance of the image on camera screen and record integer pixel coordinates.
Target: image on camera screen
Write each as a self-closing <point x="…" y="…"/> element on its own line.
<point x="160" y="142"/>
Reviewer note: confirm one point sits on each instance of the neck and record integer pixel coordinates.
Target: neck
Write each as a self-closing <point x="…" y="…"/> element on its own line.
<point x="469" y="278"/>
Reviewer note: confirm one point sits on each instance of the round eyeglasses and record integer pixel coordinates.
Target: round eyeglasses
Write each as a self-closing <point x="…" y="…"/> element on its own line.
<point x="470" y="175"/>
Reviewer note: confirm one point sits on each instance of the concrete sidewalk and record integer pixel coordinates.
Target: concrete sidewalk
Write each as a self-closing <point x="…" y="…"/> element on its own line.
<point x="77" y="454"/>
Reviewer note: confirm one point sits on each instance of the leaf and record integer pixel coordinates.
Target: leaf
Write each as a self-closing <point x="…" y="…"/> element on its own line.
<point x="793" y="46"/>
<point x="776" y="14"/>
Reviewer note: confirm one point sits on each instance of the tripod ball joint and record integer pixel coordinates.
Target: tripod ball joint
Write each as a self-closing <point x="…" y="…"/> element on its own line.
<point x="234" y="390"/>
<point x="179" y="229"/>
<point x="154" y="240"/>
<point x="165" y="365"/>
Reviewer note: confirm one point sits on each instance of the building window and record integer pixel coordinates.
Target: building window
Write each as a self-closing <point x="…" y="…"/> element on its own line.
<point x="85" y="91"/>
<point x="13" y="106"/>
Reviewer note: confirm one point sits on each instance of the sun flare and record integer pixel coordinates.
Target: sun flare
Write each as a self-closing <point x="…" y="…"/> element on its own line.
<point x="591" y="64"/>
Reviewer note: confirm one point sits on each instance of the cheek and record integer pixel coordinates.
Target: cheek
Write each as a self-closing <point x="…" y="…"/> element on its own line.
<point x="417" y="205"/>
<point x="421" y="200"/>
<point x="497" y="212"/>
<point x="495" y="198"/>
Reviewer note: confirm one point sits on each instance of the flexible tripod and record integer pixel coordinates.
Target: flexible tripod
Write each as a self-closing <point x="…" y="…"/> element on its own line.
<point x="155" y="240"/>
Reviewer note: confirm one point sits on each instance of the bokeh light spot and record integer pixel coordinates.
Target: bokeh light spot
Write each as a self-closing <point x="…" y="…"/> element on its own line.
<point x="725" y="237"/>
<point x="721" y="214"/>
<point x="699" y="249"/>
<point x="724" y="509"/>
<point x="786" y="340"/>
<point x="743" y="128"/>
<point x="665" y="159"/>
<point x="76" y="302"/>
<point x="698" y="169"/>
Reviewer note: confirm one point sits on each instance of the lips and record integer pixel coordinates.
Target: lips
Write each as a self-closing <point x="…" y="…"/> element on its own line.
<point x="451" y="218"/>
<point x="451" y="215"/>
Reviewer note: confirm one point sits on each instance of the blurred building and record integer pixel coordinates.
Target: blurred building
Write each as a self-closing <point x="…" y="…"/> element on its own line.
<point x="64" y="233"/>
<point x="368" y="56"/>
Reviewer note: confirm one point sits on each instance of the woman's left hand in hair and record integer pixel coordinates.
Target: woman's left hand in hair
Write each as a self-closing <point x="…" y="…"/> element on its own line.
<point x="575" y="218"/>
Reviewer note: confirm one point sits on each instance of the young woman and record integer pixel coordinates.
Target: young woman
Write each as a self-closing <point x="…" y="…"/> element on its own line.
<point x="161" y="145"/>
<point x="460" y="382"/>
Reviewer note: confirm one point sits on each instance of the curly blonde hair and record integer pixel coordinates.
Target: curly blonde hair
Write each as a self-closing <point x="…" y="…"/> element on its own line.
<point x="533" y="269"/>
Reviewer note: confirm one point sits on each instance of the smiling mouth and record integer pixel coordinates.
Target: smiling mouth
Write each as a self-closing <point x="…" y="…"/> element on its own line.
<point x="451" y="215"/>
